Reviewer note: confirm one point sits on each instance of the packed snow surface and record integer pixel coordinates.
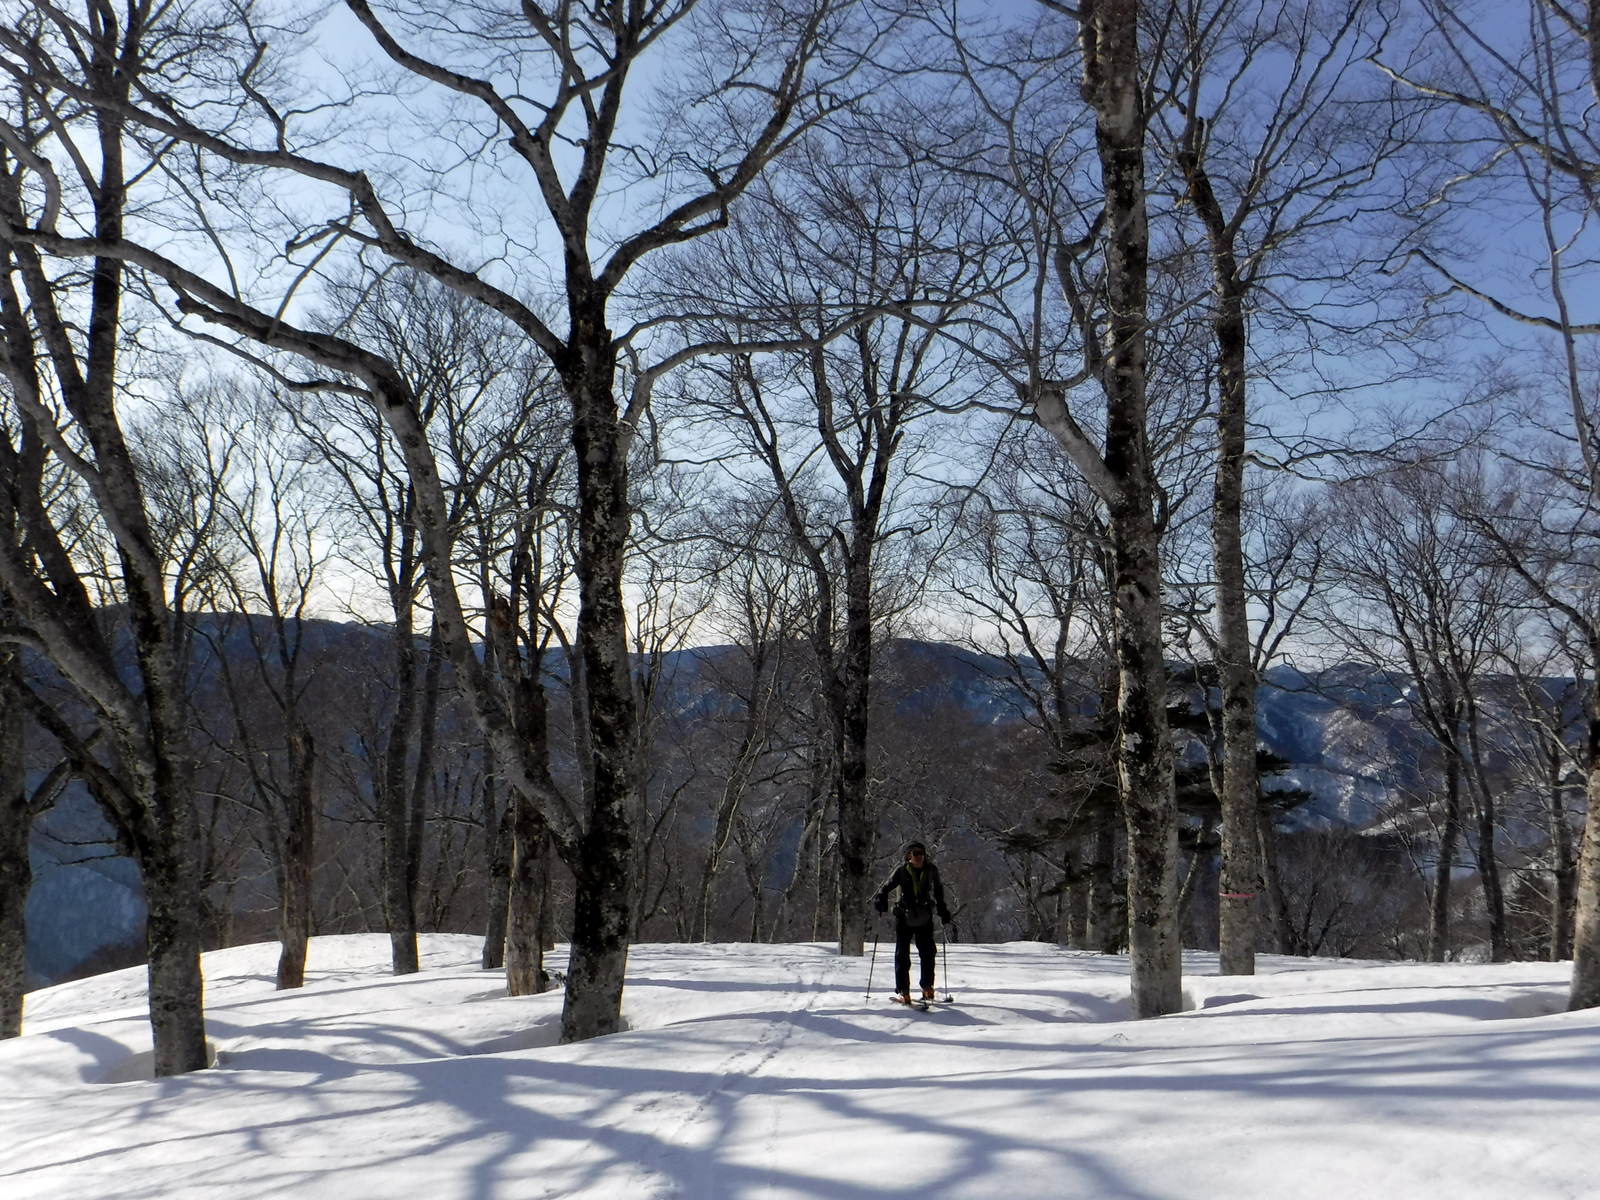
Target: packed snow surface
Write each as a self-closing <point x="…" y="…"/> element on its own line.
<point x="762" y="1071"/>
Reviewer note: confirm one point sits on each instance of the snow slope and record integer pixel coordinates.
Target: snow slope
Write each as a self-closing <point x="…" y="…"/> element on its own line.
<point x="760" y="1072"/>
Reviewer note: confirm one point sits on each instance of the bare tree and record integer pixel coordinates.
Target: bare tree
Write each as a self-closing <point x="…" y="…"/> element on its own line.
<point x="60" y="349"/>
<point x="275" y="524"/>
<point x="1414" y="583"/>
<point x="771" y="76"/>
<point x="1278" y="145"/>
<point x="1517" y="101"/>
<point x="1115" y="344"/>
<point x="20" y="807"/>
<point x="853" y="227"/>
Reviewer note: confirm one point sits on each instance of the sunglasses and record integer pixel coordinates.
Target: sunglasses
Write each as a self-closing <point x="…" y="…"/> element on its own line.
<point x="916" y="854"/>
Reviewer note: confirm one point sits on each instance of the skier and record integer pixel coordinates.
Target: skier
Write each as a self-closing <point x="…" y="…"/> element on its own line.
<point x="921" y="895"/>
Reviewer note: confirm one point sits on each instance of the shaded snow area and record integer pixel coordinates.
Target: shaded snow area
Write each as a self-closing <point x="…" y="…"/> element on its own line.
<point x="761" y="1072"/>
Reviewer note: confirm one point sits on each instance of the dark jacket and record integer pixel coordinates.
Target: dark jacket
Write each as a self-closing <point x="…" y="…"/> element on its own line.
<point x="921" y="895"/>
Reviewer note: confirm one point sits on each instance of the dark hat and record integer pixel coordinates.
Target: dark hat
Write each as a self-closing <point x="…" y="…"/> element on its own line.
<point x="910" y="846"/>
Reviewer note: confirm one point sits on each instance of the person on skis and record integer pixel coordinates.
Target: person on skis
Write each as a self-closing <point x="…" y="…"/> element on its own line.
<point x="921" y="895"/>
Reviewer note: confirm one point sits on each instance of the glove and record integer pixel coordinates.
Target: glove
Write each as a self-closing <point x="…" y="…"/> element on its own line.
<point x="944" y="915"/>
<point x="881" y="904"/>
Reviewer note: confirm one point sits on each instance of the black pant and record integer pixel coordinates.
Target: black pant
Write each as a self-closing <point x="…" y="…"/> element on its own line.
<point x="903" y="934"/>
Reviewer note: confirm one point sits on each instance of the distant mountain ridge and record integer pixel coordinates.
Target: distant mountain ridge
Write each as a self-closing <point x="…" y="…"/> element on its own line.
<point x="87" y="901"/>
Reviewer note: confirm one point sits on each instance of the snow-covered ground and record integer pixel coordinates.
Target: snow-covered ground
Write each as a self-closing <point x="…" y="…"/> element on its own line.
<point x="761" y="1072"/>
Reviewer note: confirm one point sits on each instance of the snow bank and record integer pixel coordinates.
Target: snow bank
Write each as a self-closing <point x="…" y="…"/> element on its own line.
<point x="761" y="1071"/>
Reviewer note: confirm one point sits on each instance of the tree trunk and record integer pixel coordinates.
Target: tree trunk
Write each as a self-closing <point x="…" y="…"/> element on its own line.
<point x="1272" y="884"/>
<point x="399" y="911"/>
<point x="149" y="735"/>
<point x="1494" y="899"/>
<point x="1105" y="931"/>
<point x="855" y="824"/>
<point x="1494" y="896"/>
<point x="1112" y="83"/>
<point x="1586" y="923"/>
<point x="299" y="856"/>
<point x="524" y="939"/>
<point x="498" y="838"/>
<point x="1449" y="832"/>
<point x="172" y="933"/>
<point x="422" y="781"/>
<point x="604" y="868"/>
<point x="16" y="824"/>
<point x="1239" y="881"/>
<point x="1564" y="869"/>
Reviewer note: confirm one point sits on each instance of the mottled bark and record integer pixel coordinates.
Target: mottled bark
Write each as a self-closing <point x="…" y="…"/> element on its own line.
<point x="1494" y="896"/>
<point x="1563" y="868"/>
<point x="1112" y="83"/>
<point x="498" y="836"/>
<point x="147" y="791"/>
<point x="524" y="938"/>
<point x="172" y="934"/>
<point x="299" y="856"/>
<point x="604" y="869"/>
<point x="422" y="781"/>
<point x="16" y="824"/>
<point x="1449" y="834"/>
<point x="1586" y="922"/>
<point x="1239" y="880"/>
<point x="856" y="828"/>
<point x="399" y="908"/>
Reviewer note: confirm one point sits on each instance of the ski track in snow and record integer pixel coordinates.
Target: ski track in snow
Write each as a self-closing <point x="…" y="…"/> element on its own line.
<point x="762" y="1073"/>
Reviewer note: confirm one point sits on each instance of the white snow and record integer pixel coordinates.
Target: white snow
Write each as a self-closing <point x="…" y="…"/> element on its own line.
<point x="762" y="1072"/>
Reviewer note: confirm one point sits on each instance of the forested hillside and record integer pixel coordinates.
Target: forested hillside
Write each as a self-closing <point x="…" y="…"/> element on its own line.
<point x="621" y="471"/>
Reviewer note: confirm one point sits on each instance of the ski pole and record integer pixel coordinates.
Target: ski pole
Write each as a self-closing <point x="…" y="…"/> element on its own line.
<point x="871" y="967"/>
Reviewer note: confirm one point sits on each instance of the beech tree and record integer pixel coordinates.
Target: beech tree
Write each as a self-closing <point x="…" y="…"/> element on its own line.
<point x="1515" y="104"/>
<point x="770" y="71"/>
<point x="858" y="258"/>
<point x="1413" y="584"/>
<point x="1080" y="206"/>
<point x="1277" y="145"/>
<point x="62" y="351"/>
<point x="20" y="807"/>
<point x="273" y="533"/>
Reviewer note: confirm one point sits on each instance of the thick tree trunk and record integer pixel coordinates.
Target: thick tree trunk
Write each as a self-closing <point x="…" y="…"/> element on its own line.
<point x="1449" y="833"/>
<point x="1144" y="750"/>
<point x="299" y="856"/>
<point x="524" y="940"/>
<point x="856" y="828"/>
<point x="16" y="824"/>
<point x="1586" y="923"/>
<point x="604" y="868"/>
<point x="1494" y="899"/>
<point x="1563" y="868"/>
<point x="399" y="911"/>
<point x="1494" y="896"/>
<point x="172" y="934"/>
<point x="1239" y="881"/>
<point x="422" y="780"/>
<point x="498" y="839"/>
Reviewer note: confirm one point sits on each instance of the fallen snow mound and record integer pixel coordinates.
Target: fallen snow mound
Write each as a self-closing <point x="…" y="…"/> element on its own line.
<point x="764" y="1071"/>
